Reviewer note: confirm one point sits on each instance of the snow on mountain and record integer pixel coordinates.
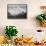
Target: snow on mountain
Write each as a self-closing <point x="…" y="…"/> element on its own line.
<point x="15" y="11"/>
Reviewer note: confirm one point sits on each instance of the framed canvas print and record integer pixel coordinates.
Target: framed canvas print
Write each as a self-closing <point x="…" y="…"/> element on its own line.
<point x="17" y="11"/>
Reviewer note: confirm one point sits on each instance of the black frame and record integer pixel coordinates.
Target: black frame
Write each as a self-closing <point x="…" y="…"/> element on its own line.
<point x="15" y="17"/>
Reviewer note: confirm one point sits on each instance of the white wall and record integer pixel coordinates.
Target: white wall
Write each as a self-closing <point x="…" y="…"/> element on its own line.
<point x="24" y="26"/>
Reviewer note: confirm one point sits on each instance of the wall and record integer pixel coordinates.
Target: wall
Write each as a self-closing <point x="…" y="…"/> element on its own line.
<point x="24" y="26"/>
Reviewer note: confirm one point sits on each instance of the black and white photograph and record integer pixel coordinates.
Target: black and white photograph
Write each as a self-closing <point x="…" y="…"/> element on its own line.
<point x="17" y="11"/>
